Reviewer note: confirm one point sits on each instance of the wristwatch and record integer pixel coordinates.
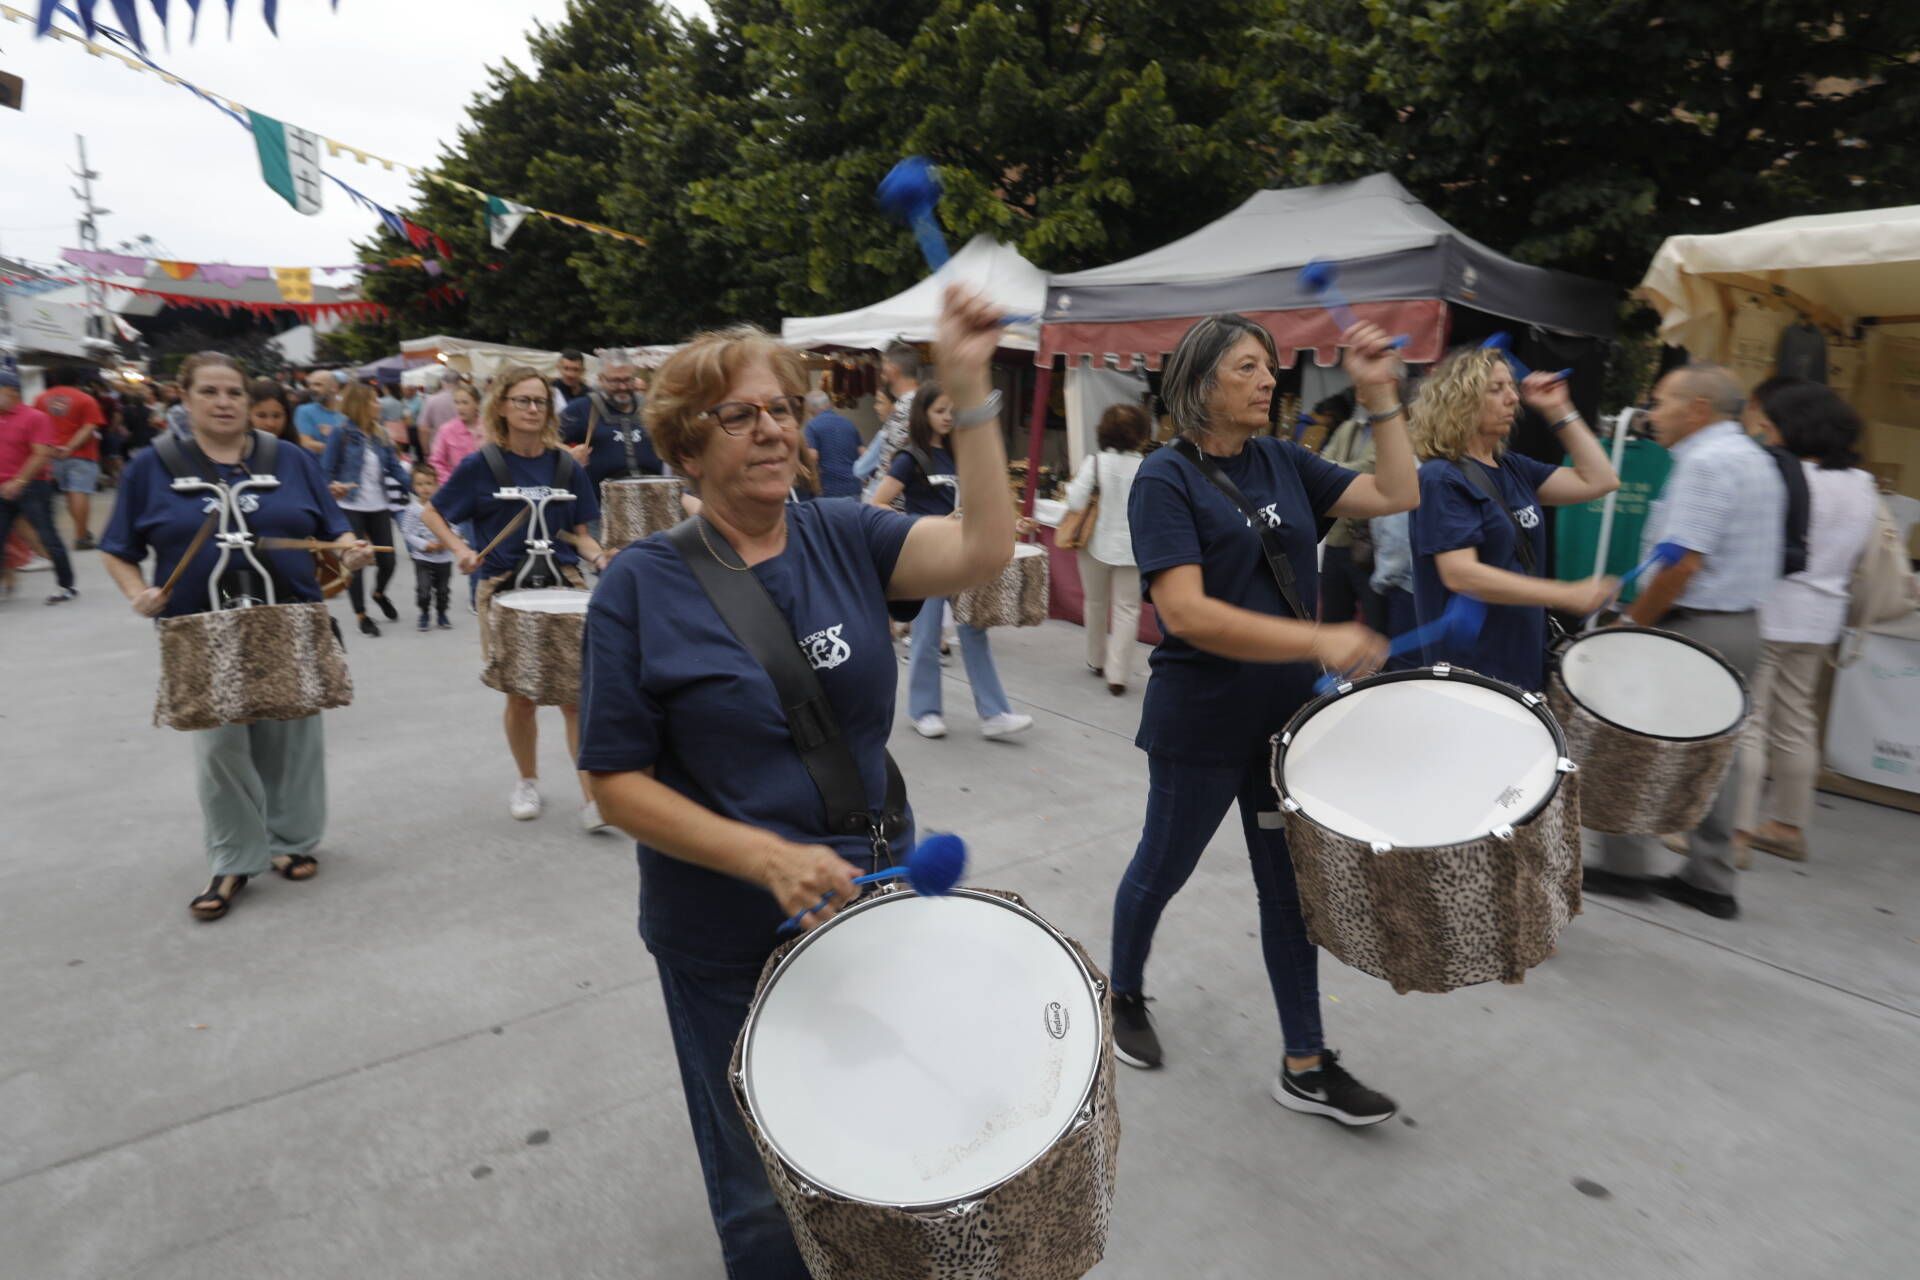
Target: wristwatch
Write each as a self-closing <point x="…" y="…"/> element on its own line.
<point x="978" y="416"/>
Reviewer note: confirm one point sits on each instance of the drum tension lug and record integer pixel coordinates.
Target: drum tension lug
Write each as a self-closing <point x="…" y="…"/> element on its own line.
<point x="1567" y="766"/>
<point x="962" y="1208"/>
<point x="1443" y="669"/>
<point x="1531" y="699"/>
<point x="1289" y="804"/>
<point x="1503" y="832"/>
<point x="1381" y="846"/>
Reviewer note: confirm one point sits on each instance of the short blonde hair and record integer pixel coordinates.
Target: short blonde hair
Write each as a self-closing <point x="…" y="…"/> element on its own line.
<point x="696" y="377"/>
<point x="493" y="413"/>
<point x="1446" y="413"/>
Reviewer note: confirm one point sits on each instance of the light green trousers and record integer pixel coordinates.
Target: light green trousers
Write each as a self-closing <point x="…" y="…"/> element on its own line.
<point x="263" y="792"/>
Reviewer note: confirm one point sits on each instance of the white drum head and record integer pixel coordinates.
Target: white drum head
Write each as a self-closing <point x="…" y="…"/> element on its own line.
<point x="640" y="480"/>
<point x="545" y="600"/>
<point x="918" y="1051"/>
<point x="1421" y="762"/>
<point x="1653" y="684"/>
<point x="1026" y="550"/>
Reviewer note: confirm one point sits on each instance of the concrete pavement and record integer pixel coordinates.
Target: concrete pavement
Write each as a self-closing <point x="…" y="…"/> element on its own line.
<point x="446" y="1056"/>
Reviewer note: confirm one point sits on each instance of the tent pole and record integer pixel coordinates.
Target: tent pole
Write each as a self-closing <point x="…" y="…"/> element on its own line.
<point x="1037" y="434"/>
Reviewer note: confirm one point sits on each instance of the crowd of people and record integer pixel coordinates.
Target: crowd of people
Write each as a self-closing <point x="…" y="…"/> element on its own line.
<point x="1267" y="562"/>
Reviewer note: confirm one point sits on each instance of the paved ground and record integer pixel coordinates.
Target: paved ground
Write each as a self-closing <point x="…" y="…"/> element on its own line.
<point x="446" y="1056"/>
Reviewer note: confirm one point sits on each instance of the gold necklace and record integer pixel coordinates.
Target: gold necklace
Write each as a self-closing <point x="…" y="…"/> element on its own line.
<point x="702" y="527"/>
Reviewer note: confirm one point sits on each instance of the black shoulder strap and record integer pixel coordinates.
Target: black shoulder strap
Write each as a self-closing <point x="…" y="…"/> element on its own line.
<point x="1277" y="561"/>
<point x="563" y="470"/>
<point x="497" y="463"/>
<point x="173" y="457"/>
<point x="743" y="604"/>
<point x="182" y="458"/>
<point x="922" y="459"/>
<point x="266" y="454"/>
<point x="1477" y="476"/>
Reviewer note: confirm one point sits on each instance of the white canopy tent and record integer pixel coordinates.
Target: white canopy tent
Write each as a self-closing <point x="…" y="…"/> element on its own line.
<point x="1855" y="275"/>
<point x="995" y="269"/>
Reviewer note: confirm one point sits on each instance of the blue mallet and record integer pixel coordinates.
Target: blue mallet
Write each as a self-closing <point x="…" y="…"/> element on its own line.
<point x="909" y="192"/>
<point x="933" y="867"/>
<point x="1503" y="343"/>
<point x="1666" y="553"/>
<point x="1318" y="278"/>
<point x="1458" y="624"/>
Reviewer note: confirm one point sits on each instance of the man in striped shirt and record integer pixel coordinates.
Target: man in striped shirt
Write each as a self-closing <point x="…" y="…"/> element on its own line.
<point x="1724" y="503"/>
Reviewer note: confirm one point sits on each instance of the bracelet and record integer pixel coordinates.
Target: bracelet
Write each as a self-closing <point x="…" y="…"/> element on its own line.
<point x="981" y="414"/>
<point x="1571" y="417"/>
<point x="1394" y="412"/>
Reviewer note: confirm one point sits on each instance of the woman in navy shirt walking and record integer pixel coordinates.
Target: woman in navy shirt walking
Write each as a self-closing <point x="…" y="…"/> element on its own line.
<point x="1464" y="541"/>
<point x="686" y="740"/>
<point x="262" y="786"/>
<point x="1240" y="657"/>
<point x="922" y="475"/>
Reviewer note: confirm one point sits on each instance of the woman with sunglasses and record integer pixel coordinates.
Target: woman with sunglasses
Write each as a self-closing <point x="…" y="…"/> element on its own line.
<point x="522" y="432"/>
<point x="686" y="741"/>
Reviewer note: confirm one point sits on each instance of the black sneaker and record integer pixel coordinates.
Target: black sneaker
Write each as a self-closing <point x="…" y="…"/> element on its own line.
<point x="1721" y="906"/>
<point x="423" y="620"/>
<point x="1615" y="885"/>
<point x="367" y="626"/>
<point x="386" y="607"/>
<point x="1134" y="1042"/>
<point x="62" y="595"/>
<point x="1329" y="1091"/>
<point x="85" y="543"/>
<point x="444" y="623"/>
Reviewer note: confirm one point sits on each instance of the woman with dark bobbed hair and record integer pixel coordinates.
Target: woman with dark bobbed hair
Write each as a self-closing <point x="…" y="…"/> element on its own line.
<point x="1241" y="654"/>
<point x="1108" y="576"/>
<point x="1800" y="622"/>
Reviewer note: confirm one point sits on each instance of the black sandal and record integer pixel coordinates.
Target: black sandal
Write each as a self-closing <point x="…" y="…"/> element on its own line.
<point x="297" y="866"/>
<point x="213" y="904"/>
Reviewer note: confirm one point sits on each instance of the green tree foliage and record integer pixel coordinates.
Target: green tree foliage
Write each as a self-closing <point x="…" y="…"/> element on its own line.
<point x="1579" y="135"/>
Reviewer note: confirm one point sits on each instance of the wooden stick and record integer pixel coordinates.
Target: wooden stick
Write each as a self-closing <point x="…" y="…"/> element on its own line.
<point x="193" y="549"/>
<point x="499" y="537"/>
<point x="306" y="544"/>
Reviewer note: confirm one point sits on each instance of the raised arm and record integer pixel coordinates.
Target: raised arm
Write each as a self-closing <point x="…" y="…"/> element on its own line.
<point x="1374" y="371"/>
<point x="1591" y="475"/>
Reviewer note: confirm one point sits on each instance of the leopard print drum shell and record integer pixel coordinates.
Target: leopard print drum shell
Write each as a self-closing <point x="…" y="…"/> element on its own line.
<point x="1016" y="598"/>
<point x="1433" y="821"/>
<point x="1045" y="1220"/>
<point x="530" y="642"/>
<point x="631" y="509"/>
<point x="236" y="666"/>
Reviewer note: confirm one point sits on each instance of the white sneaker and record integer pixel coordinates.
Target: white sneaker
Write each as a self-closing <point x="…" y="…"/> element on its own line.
<point x="1005" y="725"/>
<point x="590" y="819"/>
<point x="930" y="726"/>
<point x="36" y="564"/>
<point x="524" y="804"/>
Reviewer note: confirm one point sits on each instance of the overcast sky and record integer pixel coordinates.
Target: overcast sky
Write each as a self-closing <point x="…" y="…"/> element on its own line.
<point x="392" y="77"/>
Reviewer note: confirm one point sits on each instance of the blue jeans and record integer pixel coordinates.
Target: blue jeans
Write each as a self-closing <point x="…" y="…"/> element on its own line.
<point x="1185" y="802"/>
<point x="706" y="1014"/>
<point x="923" y="667"/>
<point x="35" y="503"/>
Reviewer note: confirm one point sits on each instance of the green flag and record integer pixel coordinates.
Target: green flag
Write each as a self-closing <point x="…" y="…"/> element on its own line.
<point x="289" y="161"/>
<point x="503" y="219"/>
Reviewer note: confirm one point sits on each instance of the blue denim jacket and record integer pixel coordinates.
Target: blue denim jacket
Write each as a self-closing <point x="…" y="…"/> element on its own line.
<point x="341" y="461"/>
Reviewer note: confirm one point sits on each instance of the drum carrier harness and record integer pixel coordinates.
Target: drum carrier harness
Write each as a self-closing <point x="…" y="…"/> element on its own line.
<point x="750" y="613"/>
<point x="536" y="566"/>
<point x="628" y="436"/>
<point x="193" y="472"/>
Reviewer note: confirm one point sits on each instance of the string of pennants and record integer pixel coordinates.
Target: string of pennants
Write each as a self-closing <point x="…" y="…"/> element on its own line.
<point x="289" y="155"/>
<point x="128" y="11"/>
<point x="107" y="262"/>
<point x="345" y="310"/>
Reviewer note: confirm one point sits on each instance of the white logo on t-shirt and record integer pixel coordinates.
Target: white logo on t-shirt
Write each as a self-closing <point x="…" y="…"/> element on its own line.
<point x="1271" y="514"/>
<point x="1529" y="517"/>
<point x="249" y="503"/>
<point x="825" y="649"/>
<point x="951" y="482"/>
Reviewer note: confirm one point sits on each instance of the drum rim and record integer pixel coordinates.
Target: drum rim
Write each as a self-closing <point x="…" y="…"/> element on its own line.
<point x="897" y="893"/>
<point x="1746" y="694"/>
<point x="1533" y="702"/>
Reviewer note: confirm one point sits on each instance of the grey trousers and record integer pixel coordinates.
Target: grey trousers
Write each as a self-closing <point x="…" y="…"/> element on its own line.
<point x="1735" y="637"/>
<point x="263" y="792"/>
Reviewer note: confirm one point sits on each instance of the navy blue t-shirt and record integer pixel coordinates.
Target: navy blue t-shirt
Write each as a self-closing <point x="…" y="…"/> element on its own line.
<point x="664" y="683"/>
<point x="933" y="491"/>
<point x="612" y="432"/>
<point x="150" y="515"/>
<point x="1200" y="706"/>
<point x="1452" y="514"/>
<point x="837" y="441"/>
<point x="468" y="495"/>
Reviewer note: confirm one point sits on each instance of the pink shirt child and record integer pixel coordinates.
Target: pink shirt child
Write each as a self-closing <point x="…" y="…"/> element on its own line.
<point x="451" y="444"/>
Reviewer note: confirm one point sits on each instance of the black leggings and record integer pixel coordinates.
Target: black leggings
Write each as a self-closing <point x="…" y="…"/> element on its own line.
<point x="377" y="528"/>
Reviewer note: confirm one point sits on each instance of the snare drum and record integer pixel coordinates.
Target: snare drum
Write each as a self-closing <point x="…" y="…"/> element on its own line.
<point x="982" y="1039"/>
<point x="1017" y="598"/>
<point x="1433" y="818"/>
<point x="1652" y="718"/>
<point x="631" y="509"/>
<point x="236" y="666"/>
<point x="533" y="644"/>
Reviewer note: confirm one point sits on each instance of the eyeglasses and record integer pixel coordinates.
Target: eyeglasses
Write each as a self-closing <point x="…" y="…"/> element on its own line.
<point x="527" y="402"/>
<point x="737" y="416"/>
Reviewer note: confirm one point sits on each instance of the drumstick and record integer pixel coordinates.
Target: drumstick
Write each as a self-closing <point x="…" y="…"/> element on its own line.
<point x="1667" y="553"/>
<point x="501" y="536"/>
<point x="1503" y="343"/>
<point x="1459" y="623"/>
<point x="1317" y="278"/>
<point x="933" y="867"/>
<point x="306" y="544"/>
<point x="193" y="549"/>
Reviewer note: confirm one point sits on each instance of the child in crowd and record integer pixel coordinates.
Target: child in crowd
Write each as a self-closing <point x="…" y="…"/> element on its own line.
<point x="432" y="562"/>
